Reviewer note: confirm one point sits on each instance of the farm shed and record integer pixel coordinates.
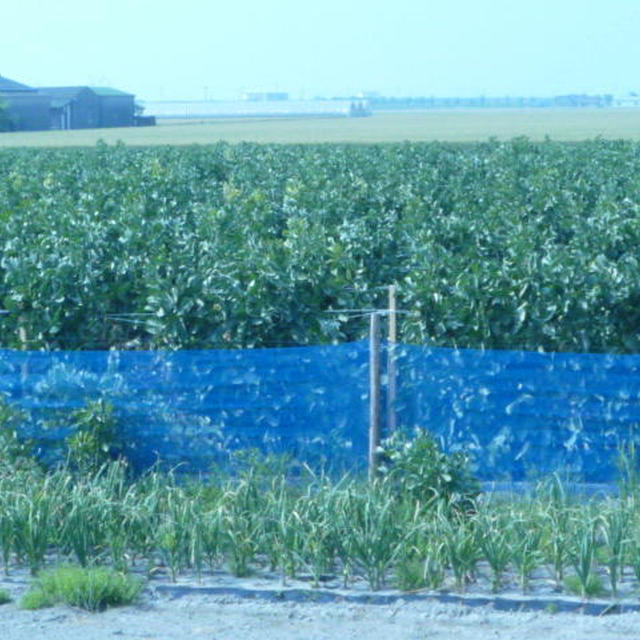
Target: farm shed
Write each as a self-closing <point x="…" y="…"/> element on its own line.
<point x="44" y="108"/>
<point x="117" y="108"/>
<point x="27" y="109"/>
<point x="89" y="107"/>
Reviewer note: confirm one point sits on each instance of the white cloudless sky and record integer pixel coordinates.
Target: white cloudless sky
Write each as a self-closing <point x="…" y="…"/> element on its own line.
<point x="192" y="49"/>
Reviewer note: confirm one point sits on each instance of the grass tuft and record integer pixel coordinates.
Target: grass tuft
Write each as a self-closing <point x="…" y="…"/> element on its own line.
<point x="4" y="596"/>
<point x="592" y="588"/>
<point x="91" y="589"/>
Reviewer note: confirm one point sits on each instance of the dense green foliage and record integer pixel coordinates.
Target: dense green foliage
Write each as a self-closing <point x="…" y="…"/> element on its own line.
<point x="518" y="244"/>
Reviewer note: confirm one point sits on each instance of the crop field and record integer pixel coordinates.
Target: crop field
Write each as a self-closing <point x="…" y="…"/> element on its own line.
<point x="517" y="244"/>
<point x="447" y="126"/>
<point x="92" y="535"/>
<point x="262" y="550"/>
<point x="412" y="529"/>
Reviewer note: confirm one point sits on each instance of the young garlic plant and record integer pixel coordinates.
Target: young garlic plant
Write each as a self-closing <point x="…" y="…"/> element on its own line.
<point x="614" y="525"/>
<point x="582" y="551"/>
<point x="493" y="538"/>
<point x="525" y="535"/>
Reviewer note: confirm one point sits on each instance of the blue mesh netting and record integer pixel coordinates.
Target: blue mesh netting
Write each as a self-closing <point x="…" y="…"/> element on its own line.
<point x="192" y="407"/>
<point x="520" y="413"/>
<point x="524" y="413"/>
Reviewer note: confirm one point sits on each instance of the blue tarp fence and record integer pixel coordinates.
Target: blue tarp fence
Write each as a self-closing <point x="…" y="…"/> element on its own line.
<point x="520" y="414"/>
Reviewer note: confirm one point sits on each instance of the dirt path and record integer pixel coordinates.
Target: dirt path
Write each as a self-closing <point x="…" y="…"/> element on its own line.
<point x="164" y="617"/>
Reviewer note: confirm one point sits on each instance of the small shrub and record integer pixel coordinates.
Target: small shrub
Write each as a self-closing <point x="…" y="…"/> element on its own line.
<point x="91" y="589"/>
<point x="419" y="468"/>
<point x="4" y="596"/>
<point x="14" y="450"/>
<point x="95" y="439"/>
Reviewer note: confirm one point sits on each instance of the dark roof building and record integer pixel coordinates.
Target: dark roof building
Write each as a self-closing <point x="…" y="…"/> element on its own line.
<point x="117" y="108"/>
<point x="46" y="108"/>
<point x="11" y="85"/>
<point x="89" y="107"/>
<point x="27" y="109"/>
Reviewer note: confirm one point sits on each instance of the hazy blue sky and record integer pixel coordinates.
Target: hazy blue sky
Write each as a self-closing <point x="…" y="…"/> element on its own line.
<point x="187" y="49"/>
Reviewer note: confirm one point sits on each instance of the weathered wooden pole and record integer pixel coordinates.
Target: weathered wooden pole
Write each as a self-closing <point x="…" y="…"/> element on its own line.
<point x="374" y="394"/>
<point x="391" y="361"/>
<point x="24" y="346"/>
<point x="22" y="332"/>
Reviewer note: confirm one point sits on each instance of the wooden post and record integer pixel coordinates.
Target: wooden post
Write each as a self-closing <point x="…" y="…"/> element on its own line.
<point x="374" y="394"/>
<point x="391" y="362"/>
<point x="22" y="332"/>
<point x="24" y="345"/>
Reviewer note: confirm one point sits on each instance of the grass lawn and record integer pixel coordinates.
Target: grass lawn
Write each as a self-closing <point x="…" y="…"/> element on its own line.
<point x="444" y="125"/>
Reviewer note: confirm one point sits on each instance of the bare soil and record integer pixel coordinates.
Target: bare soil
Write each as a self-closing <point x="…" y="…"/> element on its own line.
<point x="220" y="607"/>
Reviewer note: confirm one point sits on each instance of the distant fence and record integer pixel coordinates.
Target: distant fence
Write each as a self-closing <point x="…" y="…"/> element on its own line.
<point x="518" y="413"/>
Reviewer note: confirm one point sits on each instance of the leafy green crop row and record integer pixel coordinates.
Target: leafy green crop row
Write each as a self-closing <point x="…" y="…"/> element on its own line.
<point x="501" y="245"/>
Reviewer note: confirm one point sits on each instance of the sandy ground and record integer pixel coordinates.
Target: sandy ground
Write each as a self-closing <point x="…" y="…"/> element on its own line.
<point x="227" y="618"/>
<point x="221" y="607"/>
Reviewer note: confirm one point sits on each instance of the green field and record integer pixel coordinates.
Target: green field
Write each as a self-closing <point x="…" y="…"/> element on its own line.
<point x="418" y="527"/>
<point x="502" y="245"/>
<point x="450" y="126"/>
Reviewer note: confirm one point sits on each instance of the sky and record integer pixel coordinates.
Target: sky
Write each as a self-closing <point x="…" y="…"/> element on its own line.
<point x="199" y="49"/>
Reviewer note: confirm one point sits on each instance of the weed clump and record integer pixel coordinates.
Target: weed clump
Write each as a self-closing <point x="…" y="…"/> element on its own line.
<point x="592" y="587"/>
<point x="93" y="589"/>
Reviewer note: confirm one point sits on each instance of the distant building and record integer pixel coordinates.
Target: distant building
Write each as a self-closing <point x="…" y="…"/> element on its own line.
<point x="630" y="100"/>
<point x="265" y="96"/>
<point x="390" y="103"/>
<point x="66" y="107"/>
<point x="89" y="107"/>
<point x="359" y="108"/>
<point x="27" y="109"/>
<point x="258" y="109"/>
<point x="583" y="100"/>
